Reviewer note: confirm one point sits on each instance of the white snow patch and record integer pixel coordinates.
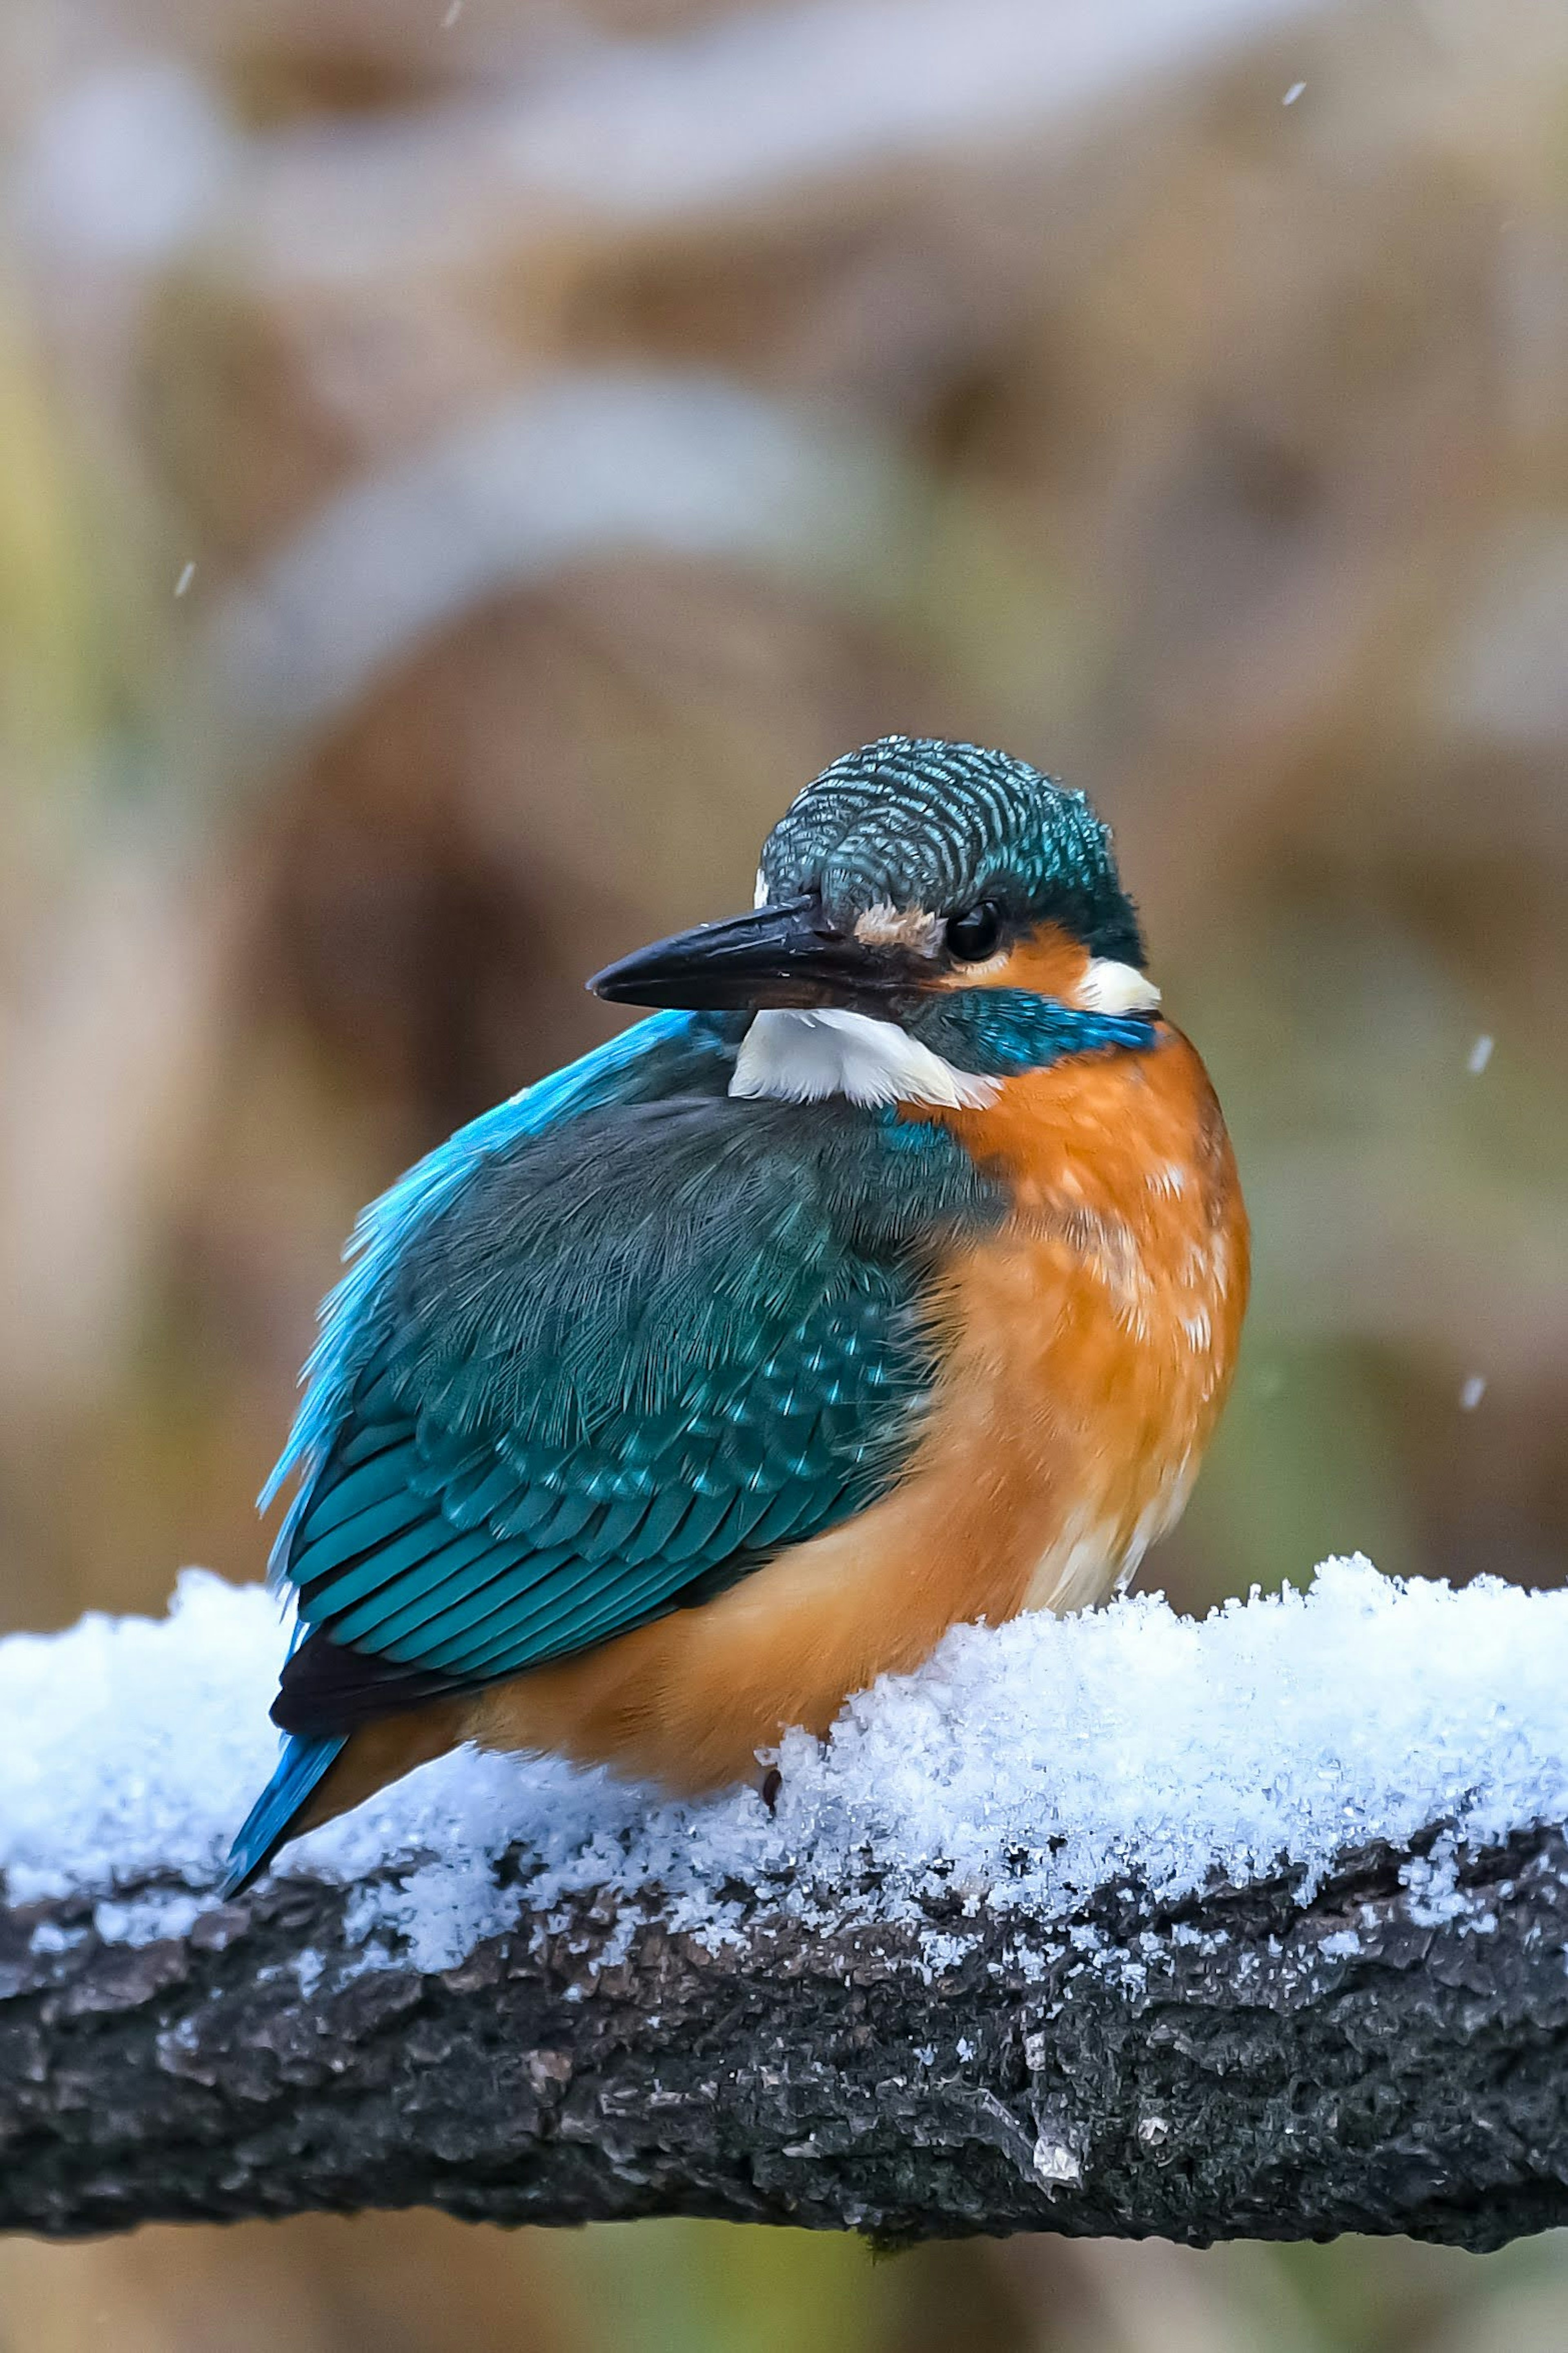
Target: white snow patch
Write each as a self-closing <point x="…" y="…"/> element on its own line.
<point x="1025" y="1765"/>
<point x="48" y="1936"/>
<point x="164" y="1912"/>
<point x="1056" y="2167"/>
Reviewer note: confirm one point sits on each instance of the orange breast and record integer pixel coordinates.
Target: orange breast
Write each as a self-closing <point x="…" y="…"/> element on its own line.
<point x="1086" y="1349"/>
<point x="1101" y="1326"/>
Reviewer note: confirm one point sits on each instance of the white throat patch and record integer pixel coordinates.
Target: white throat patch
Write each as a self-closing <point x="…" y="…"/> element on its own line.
<point x="801" y="1057"/>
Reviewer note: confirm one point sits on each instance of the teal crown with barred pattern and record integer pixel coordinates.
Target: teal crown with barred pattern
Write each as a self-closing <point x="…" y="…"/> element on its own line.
<point x="911" y="821"/>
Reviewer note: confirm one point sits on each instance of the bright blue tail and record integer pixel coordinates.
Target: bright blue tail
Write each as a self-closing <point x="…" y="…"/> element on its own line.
<point x="302" y="1766"/>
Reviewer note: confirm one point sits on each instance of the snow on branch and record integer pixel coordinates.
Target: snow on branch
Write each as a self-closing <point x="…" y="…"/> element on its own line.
<point x="1125" y="1923"/>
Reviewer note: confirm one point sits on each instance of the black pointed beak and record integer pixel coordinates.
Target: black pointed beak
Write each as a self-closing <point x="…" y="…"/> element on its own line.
<point x="787" y="954"/>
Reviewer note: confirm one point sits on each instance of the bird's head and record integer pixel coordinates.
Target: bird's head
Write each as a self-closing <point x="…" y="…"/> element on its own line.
<point x="911" y="880"/>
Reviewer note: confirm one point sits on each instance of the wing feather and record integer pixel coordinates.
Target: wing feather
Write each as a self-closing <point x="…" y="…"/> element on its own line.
<point x="637" y="1347"/>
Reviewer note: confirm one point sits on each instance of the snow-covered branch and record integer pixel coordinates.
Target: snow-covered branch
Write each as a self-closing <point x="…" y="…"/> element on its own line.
<point x="1126" y="1924"/>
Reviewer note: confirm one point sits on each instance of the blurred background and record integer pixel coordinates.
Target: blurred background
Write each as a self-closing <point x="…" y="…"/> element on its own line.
<point x="463" y="465"/>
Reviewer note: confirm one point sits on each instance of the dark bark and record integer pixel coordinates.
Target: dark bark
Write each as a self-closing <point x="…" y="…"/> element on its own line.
<point x="1237" y="2080"/>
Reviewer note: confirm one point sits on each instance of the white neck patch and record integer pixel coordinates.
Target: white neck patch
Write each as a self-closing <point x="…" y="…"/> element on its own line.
<point x="1108" y="986"/>
<point x="801" y="1057"/>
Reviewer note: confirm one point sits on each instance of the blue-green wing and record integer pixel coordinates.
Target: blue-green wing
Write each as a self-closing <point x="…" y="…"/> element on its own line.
<point x="635" y="1348"/>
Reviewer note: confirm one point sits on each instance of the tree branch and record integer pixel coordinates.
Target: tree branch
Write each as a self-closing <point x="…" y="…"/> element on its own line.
<point x="1238" y="2065"/>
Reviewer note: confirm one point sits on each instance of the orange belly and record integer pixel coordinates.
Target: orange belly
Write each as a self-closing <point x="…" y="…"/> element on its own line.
<point x="1086" y="1350"/>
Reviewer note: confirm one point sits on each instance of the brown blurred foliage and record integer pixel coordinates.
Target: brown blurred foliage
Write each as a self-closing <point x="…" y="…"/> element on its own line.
<point x="582" y="424"/>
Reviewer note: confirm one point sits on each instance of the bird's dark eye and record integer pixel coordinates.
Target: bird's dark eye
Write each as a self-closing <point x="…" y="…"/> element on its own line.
<point x="973" y="935"/>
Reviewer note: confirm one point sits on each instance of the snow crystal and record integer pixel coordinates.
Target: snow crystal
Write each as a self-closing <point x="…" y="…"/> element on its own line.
<point x="1472" y="1390"/>
<point x="1480" y="1054"/>
<point x="49" y="1936"/>
<point x="161" y="1914"/>
<point x="1293" y="93"/>
<point x="1056" y="2168"/>
<point x="1022" y="1768"/>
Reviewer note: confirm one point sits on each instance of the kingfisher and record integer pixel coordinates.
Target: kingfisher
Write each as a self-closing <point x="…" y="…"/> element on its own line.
<point x="887" y="1275"/>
